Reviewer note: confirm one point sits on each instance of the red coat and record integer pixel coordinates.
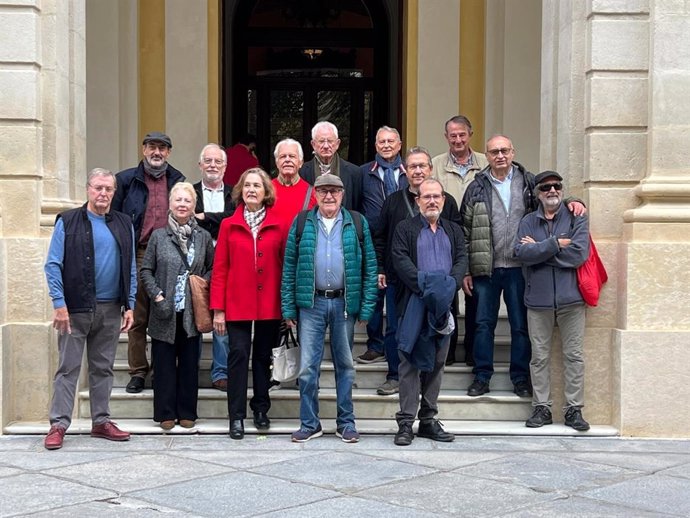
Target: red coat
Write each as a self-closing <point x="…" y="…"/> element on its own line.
<point x="245" y="282"/>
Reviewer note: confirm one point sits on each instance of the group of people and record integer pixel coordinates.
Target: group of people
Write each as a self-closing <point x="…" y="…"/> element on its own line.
<point x="321" y="246"/>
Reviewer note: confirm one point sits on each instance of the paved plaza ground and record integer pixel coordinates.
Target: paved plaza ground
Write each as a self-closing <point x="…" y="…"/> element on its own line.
<point x="212" y="475"/>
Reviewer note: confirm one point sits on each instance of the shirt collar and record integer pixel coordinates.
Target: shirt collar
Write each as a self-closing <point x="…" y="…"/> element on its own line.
<point x="207" y="188"/>
<point x="508" y="178"/>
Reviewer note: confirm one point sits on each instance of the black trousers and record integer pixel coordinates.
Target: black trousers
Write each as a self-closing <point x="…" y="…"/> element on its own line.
<point x="176" y="383"/>
<point x="266" y="334"/>
<point x="470" y="324"/>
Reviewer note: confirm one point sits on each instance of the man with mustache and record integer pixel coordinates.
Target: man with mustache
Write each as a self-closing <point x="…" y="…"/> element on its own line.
<point x="142" y="193"/>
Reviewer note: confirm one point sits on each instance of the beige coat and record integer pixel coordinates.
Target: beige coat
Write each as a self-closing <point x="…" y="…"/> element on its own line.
<point x="452" y="182"/>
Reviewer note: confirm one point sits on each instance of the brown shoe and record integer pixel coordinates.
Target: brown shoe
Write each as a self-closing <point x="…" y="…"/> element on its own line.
<point x="221" y="384"/>
<point x="109" y="431"/>
<point x="168" y="425"/>
<point x="53" y="440"/>
<point x="187" y="423"/>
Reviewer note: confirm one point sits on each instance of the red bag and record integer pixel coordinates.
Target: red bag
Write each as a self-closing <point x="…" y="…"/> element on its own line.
<point x="591" y="276"/>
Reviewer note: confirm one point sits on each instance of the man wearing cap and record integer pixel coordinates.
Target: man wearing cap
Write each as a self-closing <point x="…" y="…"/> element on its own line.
<point x="329" y="281"/>
<point x="142" y="193"/>
<point x="552" y="243"/>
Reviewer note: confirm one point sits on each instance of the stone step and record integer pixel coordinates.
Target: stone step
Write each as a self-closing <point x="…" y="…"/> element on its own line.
<point x="453" y="404"/>
<point x="368" y="376"/>
<point x="281" y="428"/>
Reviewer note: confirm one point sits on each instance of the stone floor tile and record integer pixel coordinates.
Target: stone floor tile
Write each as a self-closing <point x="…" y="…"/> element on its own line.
<point x="577" y="507"/>
<point x="342" y="471"/>
<point x="136" y="443"/>
<point x="617" y="444"/>
<point x="348" y="506"/>
<point x="235" y="494"/>
<point x="442" y="460"/>
<point x="647" y="462"/>
<point x="138" y="472"/>
<point x="654" y="493"/>
<point x="243" y="459"/>
<point x="545" y="473"/>
<point x="488" y="443"/>
<point x="367" y="442"/>
<point x="19" y="442"/>
<point x="19" y="495"/>
<point x="115" y="508"/>
<point x="7" y="471"/>
<point x="224" y="442"/>
<point x="45" y="459"/>
<point x="455" y="494"/>
<point x="682" y="470"/>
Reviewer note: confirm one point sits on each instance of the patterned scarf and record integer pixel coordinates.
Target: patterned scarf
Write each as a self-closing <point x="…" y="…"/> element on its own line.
<point x="155" y="172"/>
<point x="254" y="219"/>
<point x="332" y="168"/>
<point x="181" y="232"/>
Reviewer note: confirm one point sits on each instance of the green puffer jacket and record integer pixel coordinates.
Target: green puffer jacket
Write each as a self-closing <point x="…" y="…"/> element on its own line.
<point x="475" y="214"/>
<point x="297" y="289"/>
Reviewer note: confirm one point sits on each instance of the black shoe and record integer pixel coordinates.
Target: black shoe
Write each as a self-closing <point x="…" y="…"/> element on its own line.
<point x="261" y="421"/>
<point x="450" y="359"/>
<point x="433" y="430"/>
<point x="522" y="389"/>
<point x="237" y="429"/>
<point x="540" y="416"/>
<point x="478" y="388"/>
<point x="135" y="385"/>
<point x="404" y="437"/>
<point x="574" y="419"/>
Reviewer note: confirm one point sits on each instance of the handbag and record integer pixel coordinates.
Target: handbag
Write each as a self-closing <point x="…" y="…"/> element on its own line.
<point x="286" y="358"/>
<point x="203" y="319"/>
<point x="591" y="276"/>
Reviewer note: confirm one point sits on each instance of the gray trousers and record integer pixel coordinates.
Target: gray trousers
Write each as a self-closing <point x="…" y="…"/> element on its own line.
<point x="429" y="386"/>
<point x="99" y="331"/>
<point x="571" y="322"/>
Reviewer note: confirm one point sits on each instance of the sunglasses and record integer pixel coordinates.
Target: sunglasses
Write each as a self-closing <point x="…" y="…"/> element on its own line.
<point x="546" y="187"/>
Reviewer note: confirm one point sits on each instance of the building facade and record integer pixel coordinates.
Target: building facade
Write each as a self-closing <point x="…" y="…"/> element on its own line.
<point x="595" y="89"/>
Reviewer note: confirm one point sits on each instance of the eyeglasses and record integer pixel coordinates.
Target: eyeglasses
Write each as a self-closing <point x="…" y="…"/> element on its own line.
<point x="324" y="192"/>
<point x="505" y="151"/>
<point x="414" y="167"/>
<point x="322" y="142"/>
<point x="429" y="197"/>
<point x="546" y="187"/>
<point x="216" y="161"/>
<point x="108" y="190"/>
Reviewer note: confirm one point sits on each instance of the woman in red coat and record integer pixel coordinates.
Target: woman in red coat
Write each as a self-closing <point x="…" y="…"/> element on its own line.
<point x="245" y="293"/>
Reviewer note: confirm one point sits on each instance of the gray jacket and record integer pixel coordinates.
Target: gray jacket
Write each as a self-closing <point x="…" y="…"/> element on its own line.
<point x="159" y="270"/>
<point x="550" y="271"/>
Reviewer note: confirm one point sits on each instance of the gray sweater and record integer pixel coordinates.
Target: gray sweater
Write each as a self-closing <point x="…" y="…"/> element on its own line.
<point x="159" y="270"/>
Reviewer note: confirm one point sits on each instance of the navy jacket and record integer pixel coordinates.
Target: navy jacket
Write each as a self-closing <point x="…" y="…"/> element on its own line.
<point x="349" y="174"/>
<point x="374" y="193"/>
<point x="132" y="194"/>
<point x="79" y="272"/>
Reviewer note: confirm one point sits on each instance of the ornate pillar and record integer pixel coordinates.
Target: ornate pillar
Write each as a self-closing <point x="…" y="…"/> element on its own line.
<point x="42" y="171"/>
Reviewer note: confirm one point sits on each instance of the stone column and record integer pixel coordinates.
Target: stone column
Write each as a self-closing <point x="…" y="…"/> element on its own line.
<point x="42" y="171"/>
<point x="653" y="341"/>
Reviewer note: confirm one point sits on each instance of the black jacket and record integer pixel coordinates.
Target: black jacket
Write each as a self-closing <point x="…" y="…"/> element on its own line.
<point x="211" y="221"/>
<point x="404" y="257"/>
<point x="350" y="175"/>
<point x="132" y="194"/>
<point x="374" y="192"/>
<point x="79" y="271"/>
<point x="393" y="212"/>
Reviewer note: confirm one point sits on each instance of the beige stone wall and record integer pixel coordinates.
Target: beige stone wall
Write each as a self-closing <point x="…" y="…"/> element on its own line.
<point x="42" y="160"/>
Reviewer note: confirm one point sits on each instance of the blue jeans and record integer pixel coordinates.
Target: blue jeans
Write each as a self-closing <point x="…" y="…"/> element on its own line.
<point x="219" y="367"/>
<point x="380" y="342"/>
<point x="488" y="292"/>
<point x="312" y="333"/>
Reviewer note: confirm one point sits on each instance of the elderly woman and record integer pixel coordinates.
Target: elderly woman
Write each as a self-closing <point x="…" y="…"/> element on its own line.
<point x="245" y="293"/>
<point x="174" y="252"/>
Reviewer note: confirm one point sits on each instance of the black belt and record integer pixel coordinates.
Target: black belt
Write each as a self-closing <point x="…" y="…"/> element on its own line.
<point x="330" y="294"/>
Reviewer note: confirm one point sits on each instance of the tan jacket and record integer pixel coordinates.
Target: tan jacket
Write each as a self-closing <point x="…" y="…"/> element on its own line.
<point x="452" y="182"/>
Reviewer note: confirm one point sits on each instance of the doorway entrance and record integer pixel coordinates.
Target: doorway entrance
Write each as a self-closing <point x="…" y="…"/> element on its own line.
<point x="292" y="63"/>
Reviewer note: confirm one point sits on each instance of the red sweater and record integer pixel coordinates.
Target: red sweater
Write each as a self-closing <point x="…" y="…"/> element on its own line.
<point x="290" y="201"/>
<point x="246" y="273"/>
<point x="239" y="160"/>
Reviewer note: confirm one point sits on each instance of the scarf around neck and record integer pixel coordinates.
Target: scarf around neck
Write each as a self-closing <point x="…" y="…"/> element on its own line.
<point x="254" y="219"/>
<point x="181" y="232"/>
<point x="155" y="172"/>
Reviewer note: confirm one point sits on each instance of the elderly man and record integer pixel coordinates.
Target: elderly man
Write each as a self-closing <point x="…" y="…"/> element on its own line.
<point x="455" y="169"/>
<point x="142" y="193"/>
<point x="493" y="205"/>
<point x="399" y="206"/>
<point x="429" y="259"/>
<point x="325" y="143"/>
<point x="329" y="281"/>
<point x="93" y="295"/>
<point x="292" y="193"/>
<point x="381" y="178"/>
<point x="552" y="243"/>
<point x="213" y="204"/>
